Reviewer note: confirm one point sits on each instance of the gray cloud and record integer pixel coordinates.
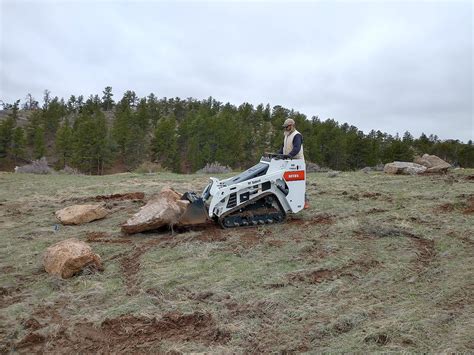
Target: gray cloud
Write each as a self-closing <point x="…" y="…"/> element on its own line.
<point x="392" y="66"/>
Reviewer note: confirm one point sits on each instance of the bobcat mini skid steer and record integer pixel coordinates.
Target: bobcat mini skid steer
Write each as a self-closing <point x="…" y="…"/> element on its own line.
<point x="263" y="194"/>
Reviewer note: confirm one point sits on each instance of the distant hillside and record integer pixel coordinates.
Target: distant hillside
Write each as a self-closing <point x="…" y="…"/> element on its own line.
<point x="98" y="135"/>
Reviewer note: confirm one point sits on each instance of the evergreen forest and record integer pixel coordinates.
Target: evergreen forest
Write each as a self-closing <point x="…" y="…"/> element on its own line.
<point x="100" y="135"/>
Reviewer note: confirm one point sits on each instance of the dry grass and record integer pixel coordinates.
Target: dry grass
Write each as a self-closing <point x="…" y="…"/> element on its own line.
<point x="379" y="263"/>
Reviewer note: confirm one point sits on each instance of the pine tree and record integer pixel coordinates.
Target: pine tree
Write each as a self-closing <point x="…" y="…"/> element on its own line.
<point x="18" y="144"/>
<point x="7" y="128"/>
<point x="107" y="100"/>
<point x="91" y="149"/>
<point x="64" y="144"/>
<point x="55" y="110"/>
<point x="39" y="147"/>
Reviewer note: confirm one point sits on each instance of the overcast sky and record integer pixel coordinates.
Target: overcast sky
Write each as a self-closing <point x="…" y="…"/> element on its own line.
<point x="392" y="66"/>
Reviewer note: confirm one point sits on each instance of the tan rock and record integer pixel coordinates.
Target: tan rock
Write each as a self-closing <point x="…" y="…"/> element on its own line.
<point x="433" y="163"/>
<point x="80" y="214"/>
<point x="403" y="168"/>
<point x="69" y="257"/>
<point x="164" y="209"/>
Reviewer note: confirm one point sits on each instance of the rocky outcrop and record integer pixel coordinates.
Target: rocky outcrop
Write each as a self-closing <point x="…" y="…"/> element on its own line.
<point x="403" y="168"/>
<point x="165" y="209"/>
<point x="80" y="214"/>
<point x="433" y="163"/>
<point x="69" y="257"/>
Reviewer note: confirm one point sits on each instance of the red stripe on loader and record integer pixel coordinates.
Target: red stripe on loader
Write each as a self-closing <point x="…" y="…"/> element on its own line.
<point x="294" y="175"/>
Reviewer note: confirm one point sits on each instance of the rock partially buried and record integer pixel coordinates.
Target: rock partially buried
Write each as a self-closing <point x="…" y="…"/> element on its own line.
<point x="165" y="209"/>
<point x="80" y="214"/>
<point x="433" y="163"/>
<point x="403" y="168"/>
<point x="69" y="257"/>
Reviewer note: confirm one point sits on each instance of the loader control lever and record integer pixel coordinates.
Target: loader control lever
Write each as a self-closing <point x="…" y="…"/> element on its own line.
<point x="277" y="156"/>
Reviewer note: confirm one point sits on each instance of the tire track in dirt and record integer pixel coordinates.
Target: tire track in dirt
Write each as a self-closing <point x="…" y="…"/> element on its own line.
<point x="130" y="265"/>
<point x="425" y="248"/>
<point x="101" y="237"/>
<point x="126" y="333"/>
<point x="321" y="275"/>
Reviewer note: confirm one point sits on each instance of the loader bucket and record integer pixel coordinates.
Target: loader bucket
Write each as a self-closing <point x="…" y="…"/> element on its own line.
<point x="196" y="212"/>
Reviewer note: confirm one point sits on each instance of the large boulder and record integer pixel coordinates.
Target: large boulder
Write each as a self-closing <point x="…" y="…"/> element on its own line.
<point x="69" y="257"/>
<point x="80" y="214"/>
<point x="165" y="209"/>
<point x="433" y="163"/>
<point x="403" y="168"/>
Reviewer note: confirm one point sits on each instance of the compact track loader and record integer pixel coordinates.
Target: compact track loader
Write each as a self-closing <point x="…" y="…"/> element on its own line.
<point x="263" y="194"/>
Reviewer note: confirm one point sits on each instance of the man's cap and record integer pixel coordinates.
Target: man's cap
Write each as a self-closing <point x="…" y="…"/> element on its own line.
<point x="288" y="122"/>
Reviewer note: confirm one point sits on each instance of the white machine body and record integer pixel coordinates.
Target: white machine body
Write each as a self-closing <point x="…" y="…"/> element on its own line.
<point x="284" y="178"/>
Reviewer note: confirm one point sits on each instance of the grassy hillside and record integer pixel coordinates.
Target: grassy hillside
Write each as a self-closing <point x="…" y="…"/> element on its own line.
<point x="379" y="263"/>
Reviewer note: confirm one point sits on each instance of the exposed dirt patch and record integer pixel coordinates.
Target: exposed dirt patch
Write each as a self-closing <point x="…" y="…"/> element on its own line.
<point x="32" y="324"/>
<point x="211" y="234"/>
<point x="469" y="205"/>
<point x="131" y="334"/>
<point x="466" y="207"/>
<point x="201" y="296"/>
<point x="318" y="218"/>
<point x="426" y="251"/>
<point x="469" y="178"/>
<point x="129" y="196"/>
<point x="373" y="195"/>
<point x="130" y="265"/>
<point x="463" y="238"/>
<point x="315" y="252"/>
<point x="121" y="197"/>
<point x="6" y="270"/>
<point x="30" y="340"/>
<point x="274" y="285"/>
<point x="258" y="309"/>
<point x="318" y="276"/>
<point x="378" y="338"/>
<point x="9" y="295"/>
<point x="276" y="243"/>
<point x="445" y="208"/>
<point x="425" y="247"/>
<point x="249" y="239"/>
<point x="376" y="210"/>
<point x="102" y="237"/>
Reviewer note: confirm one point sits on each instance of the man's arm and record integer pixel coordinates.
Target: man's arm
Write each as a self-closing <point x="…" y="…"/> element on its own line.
<point x="297" y="141"/>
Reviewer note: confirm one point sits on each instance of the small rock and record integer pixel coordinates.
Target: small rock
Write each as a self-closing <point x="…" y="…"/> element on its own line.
<point x="80" y="214"/>
<point x="332" y="174"/>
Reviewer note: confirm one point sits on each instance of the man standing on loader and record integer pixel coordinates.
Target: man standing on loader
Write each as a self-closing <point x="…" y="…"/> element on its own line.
<point x="292" y="141"/>
<point x="293" y="145"/>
